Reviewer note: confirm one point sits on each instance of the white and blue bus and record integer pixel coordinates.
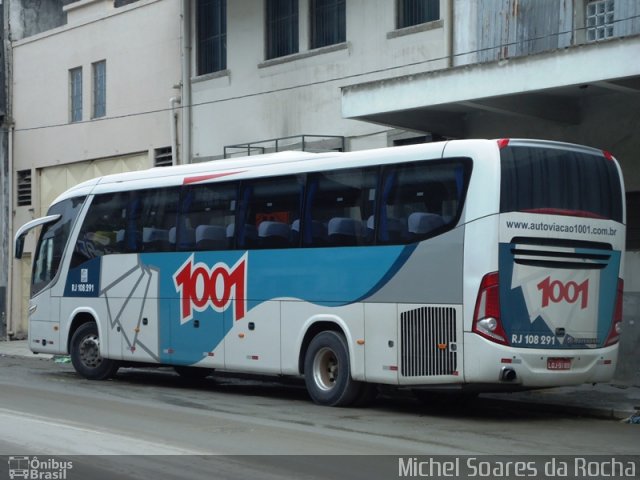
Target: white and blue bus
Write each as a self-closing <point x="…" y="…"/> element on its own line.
<point x="476" y="264"/>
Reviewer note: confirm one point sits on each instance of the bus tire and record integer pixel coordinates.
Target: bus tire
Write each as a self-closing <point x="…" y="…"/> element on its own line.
<point x="327" y="371"/>
<point x="85" y="354"/>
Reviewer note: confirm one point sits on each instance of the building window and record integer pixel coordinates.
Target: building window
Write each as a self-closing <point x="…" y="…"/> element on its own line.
<point x="599" y="20"/>
<point x="75" y="94"/>
<point x="211" y="25"/>
<point x="24" y="188"/>
<point x="282" y="28"/>
<point x="328" y="22"/>
<point x="415" y="12"/>
<point x="122" y="3"/>
<point x="99" y="89"/>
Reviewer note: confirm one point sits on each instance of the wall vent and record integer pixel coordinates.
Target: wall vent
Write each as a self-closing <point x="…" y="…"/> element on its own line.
<point x="24" y="188"/>
<point x="163" y="157"/>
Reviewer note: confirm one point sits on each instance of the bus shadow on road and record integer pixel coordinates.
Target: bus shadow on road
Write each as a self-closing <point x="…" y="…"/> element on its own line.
<point x="389" y="399"/>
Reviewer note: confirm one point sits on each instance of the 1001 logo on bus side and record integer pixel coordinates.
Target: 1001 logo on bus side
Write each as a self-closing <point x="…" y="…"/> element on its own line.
<point x="201" y="287"/>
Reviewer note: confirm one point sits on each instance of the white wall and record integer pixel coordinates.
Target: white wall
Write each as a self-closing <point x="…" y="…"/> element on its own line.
<point x="300" y="94"/>
<point x="141" y="46"/>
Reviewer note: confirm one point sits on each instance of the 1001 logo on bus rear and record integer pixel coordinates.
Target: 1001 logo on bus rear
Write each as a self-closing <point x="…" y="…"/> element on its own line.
<point x="571" y="292"/>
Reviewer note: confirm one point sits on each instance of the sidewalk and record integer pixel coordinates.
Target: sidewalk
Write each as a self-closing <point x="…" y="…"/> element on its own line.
<point x="612" y="401"/>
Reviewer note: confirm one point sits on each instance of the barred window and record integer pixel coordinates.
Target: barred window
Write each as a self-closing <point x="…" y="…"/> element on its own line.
<point x="99" y="89"/>
<point x="328" y="22"/>
<point x="415" y="12"/>
<point x="282" y="28"/>
<point x="75" y="94"/>
<point x="211" y="26"/>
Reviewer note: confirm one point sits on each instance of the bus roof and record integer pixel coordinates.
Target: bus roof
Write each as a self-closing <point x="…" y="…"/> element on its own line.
<point x="281" y="164"/>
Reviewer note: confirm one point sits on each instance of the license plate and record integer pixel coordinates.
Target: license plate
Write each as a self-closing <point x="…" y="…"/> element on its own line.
<point x="554" y="363"/>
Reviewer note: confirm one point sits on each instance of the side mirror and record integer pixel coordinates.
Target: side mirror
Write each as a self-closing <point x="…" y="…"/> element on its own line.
<point x="23" y="230"/>
<point x="19" y="246"/>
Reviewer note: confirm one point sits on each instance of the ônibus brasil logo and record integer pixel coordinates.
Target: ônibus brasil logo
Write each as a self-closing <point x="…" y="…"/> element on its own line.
<point x="201" y="287"/>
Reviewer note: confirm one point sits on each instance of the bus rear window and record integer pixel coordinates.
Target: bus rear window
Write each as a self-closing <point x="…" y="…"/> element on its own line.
<point x="559" y="181"/>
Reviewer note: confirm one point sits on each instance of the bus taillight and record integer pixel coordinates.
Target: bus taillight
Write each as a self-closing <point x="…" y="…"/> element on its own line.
<point x="486" y="318"/>
<point x="616" y="325"/>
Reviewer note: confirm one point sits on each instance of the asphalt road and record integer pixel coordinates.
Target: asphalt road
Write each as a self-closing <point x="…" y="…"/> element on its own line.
<point x="160" y="426"/>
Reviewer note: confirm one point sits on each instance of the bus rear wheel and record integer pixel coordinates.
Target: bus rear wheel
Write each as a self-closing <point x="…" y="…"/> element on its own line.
<point x="85" y="354"/>
<point x="327" y="371"/>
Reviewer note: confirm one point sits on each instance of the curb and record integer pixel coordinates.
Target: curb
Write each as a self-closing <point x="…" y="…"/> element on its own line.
<point x="604" y="413"/>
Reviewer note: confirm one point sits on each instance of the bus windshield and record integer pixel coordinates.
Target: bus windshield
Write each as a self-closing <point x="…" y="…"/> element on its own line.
<point x="559" y="182"/>
<point x="52" y="242"/>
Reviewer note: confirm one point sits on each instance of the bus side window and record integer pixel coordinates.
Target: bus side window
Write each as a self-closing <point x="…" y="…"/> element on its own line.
<point x="340" y="208"/>
<point x="207" y="217"/>
<point x="102" y="232"/>
<point x="270" y="213"/>
<point x="158" y="214"/>
<point x="420" y="200"/>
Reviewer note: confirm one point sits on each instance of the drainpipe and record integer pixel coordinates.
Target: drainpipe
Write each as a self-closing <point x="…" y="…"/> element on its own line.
<point x="185" y="12"/>
<point x="449" y="40"/>
<point x="7" y="52"/>
<point x="10" y="324"/>
<point x="173" y="102"/>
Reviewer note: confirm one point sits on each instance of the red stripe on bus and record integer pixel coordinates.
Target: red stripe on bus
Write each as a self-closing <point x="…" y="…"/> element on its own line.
<point x="202" y="178"/>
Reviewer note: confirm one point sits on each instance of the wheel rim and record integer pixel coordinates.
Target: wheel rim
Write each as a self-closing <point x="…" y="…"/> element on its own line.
<point x="89" y="350"/>
<point x="325" y="369"/>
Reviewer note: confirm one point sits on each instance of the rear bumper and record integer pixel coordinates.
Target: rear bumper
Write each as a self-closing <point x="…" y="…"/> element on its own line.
<point x="485" y="362"/>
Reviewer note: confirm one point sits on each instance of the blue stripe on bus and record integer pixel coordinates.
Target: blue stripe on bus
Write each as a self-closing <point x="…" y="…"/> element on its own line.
<point x="322" y="276"/>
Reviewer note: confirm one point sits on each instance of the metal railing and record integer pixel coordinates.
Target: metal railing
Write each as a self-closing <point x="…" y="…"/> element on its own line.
<point x="305" y="143"/>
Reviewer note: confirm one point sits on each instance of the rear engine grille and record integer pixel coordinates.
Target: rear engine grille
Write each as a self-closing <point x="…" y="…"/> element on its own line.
<point x="428" y="342"/>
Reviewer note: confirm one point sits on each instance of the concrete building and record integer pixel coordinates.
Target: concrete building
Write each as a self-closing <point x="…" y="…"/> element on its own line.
<point x="331" y="74"/>
<point x="381" y="72"/>
<point x="95" y="87"/>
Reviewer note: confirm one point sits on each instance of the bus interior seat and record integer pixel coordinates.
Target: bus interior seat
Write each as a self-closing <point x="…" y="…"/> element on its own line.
<point x="187" y="238"/>
<point x="344" y="231"/>
<point x="295" y="231"/>
<point x="249" y="236"/>
<point x="274" y="234"/>
<point x="210" y="237"/>
<point x="421" y="223"/>
<point x="120" y="240"/>
<point x="396" y="231"/>
<point x="318" y="233"/>
<point x="370" y="232"/>
<point x="155" y="239"/>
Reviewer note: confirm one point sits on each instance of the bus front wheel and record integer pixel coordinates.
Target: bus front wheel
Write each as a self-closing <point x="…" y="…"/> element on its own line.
<point x="327" y="371"/>
<point x="85" y="354"/>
